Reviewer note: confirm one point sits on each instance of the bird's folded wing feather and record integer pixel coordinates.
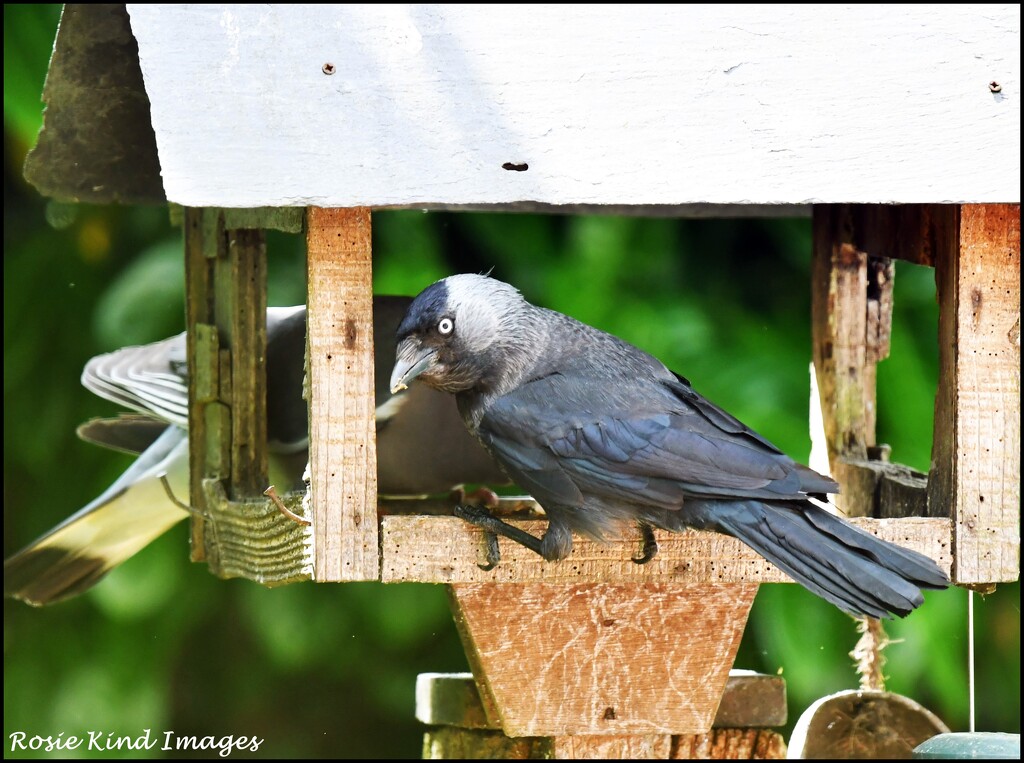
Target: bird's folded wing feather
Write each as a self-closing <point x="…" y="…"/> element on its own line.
<point x="649" y="442"/>
<point x="143" y="379"/>
<point x="128" y="432"/>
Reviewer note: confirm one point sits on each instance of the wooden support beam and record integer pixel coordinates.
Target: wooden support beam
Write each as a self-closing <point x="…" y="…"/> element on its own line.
<point x="911" y="232"/>
<point x="242" y="319"/>
<point x="601" y="659"/>
<point x="438" y="549"/>
<point x="343" y="455"/>
<point x="450" y="743"/>
<point x="886" y="491"/>
<point x="592" y="747"/>
<point x="750" y="700"/>
<point x="255" y="541"/>
<point x="446" y="742"/>
<point x="975" y="475"/>
<point x="752" y="703"/>
<point x="226" y="348"/>
<point x="730" y="744"/>
<point x="851" y="305"/>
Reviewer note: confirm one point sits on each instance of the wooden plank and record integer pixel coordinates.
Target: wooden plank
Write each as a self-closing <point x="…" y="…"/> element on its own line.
<point x="886" y="491"/>
<point x="851" y="307"/>
<point x="453" y="699"/>
<point x="226" y="347"/>
<point x="634" y="747"/>
<point x="602" y="658"/>
<point x="252" y="539"/>
<point x="342" y="447"/>
<point x="902" y="493"/>
<point x="839" y="325"/>
<point x="431" y="549"/>
<point x="976" y="449"/>
<point x="426" y="104"/>
<point x="448" y="743"/>
<point x="242" y="312"/>
<point x="208" y="425"/>
<point x="752" y="700"/>
<point x="730" y="744"/>
<point x="911" y="232"/>
<point x="723" y="744"/>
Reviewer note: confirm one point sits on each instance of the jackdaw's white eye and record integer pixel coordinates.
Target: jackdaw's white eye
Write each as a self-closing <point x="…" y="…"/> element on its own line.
<point x="445" y="326"/>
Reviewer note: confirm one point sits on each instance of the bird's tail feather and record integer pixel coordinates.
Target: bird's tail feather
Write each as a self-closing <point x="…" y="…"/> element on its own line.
<point x="854" y="570"/>
<point x="124" y="519"/>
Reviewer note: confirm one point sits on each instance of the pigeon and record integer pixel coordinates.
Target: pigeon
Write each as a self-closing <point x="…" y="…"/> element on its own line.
<point x="422" y="449"/>
<point x="604" y="436"/>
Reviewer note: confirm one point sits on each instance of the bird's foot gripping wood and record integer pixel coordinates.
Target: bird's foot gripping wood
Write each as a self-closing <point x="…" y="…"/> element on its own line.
<point x="493" y="527"/>
<point x="650" y="547"/>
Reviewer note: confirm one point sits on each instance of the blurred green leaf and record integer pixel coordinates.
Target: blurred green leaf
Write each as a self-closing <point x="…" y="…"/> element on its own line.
<point x="29" y="32"/>
<point x="146" y="300"/>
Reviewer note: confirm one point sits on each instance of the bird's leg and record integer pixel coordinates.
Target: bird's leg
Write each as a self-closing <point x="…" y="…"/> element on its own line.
<point x="650" y="547"/>
<point x="493" y="527"/>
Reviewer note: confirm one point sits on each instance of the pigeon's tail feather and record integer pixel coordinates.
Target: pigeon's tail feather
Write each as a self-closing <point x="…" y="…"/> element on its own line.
<point x="854" y="570"/>
<point x="125" y="518"/>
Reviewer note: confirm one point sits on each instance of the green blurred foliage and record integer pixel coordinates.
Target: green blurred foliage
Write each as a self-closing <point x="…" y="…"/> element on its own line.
<point x="329" y="670"/>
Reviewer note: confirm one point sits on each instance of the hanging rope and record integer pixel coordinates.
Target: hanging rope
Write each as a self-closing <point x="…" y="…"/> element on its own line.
<point x="867" y="654"/>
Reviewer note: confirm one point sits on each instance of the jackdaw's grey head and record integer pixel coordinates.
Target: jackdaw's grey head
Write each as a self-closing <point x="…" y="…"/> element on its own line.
<point x="455" y="333"/>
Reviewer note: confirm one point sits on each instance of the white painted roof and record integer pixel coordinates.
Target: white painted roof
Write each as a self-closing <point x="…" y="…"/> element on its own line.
<point x="605" y="104"/>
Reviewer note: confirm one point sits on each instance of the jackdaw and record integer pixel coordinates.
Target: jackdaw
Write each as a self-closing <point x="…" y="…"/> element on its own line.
<point x="422" y="448"/>
<point x="603" y="435"/>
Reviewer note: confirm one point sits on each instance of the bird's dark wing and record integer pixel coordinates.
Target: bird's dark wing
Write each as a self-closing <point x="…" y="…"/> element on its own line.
<point x="640" y="441"/>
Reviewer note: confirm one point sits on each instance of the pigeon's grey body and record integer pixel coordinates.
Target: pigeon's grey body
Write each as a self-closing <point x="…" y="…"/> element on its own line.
<point x="422" y="445"/>
<point x="603" y="435"/>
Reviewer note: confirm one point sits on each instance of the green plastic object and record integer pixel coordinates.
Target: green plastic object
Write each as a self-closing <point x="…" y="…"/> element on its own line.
<point x="979" y="744"/>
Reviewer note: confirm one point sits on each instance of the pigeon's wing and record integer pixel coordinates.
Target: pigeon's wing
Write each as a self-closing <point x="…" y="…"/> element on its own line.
<point x="153" y="379"/>
<point x="128" y="433"/>
<point x="637" y="441"/>
<point x="287" y="416"/>
<point x="150" y="379"/>
<point x="425" y="449"/>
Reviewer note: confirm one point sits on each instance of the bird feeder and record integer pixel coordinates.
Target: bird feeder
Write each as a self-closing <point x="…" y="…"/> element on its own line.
<point x="899" y="136"/>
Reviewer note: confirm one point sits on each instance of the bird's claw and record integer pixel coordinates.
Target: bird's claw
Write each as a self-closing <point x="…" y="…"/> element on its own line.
<point x="650" y="547"/>
<point x="477" y="516"/>
<point x="493" y="552"/>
